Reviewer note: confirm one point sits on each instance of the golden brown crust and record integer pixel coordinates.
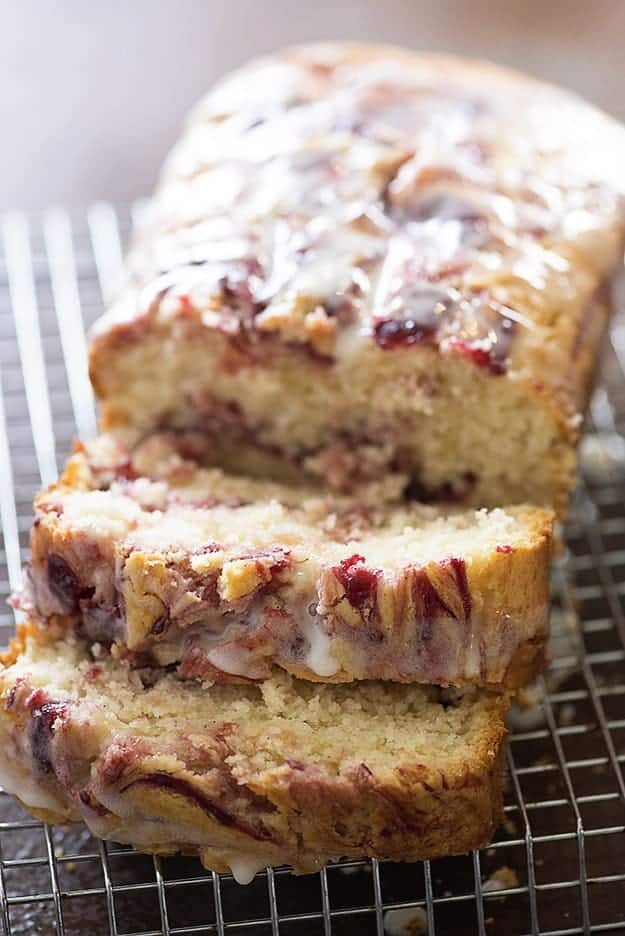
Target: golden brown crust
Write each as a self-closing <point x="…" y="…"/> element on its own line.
<point x="25" y="631"/>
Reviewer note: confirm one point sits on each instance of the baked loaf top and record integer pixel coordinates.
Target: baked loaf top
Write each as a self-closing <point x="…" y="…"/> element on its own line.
<point x="246" y="776"/>
<point x="339" y="195"/>
<point x="173" y="563"/>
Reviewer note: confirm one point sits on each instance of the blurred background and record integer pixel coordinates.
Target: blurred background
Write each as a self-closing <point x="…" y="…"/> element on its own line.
<point x="92" y="95"/>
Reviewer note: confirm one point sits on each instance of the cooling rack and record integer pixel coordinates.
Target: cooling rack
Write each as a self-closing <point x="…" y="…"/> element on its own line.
<point x="557" y="865"/>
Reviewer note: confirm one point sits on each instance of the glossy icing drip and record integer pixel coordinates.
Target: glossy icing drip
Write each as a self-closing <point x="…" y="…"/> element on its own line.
<point x="318" y="658"/>
<point x="369" y="195"/>
<point x="245" y="867"/>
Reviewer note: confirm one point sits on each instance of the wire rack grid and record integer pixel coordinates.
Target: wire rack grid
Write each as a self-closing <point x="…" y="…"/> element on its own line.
<point x="556" y="867"/>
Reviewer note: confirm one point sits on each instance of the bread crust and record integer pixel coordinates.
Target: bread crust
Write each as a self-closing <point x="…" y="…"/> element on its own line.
<point x="202" y="793"/>
<point x="517" y="308"/>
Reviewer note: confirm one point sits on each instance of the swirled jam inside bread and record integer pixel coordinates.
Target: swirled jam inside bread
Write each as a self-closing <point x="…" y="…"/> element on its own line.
<point x="171" y="563"/>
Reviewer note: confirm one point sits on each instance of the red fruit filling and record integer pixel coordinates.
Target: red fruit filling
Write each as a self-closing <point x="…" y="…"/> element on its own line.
<point x="418" y="320"/>
<point x="429" y="603"/>
<point x="63" y="583"/>
<point x="182" y="787"/>
<point x="41" y="729"/>
<point x="360" y="583"/>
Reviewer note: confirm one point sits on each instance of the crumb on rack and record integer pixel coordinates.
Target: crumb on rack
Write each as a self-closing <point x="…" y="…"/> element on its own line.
<point x="350" y="869"/>
<point x="408" y="921"/>
<point x="566" y="716"/>
<point x="501" y="879"/>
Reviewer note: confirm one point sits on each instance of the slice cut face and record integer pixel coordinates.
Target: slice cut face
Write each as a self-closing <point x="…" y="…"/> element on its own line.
<point x="244" y="775"/>
<point x="174" y="564"/>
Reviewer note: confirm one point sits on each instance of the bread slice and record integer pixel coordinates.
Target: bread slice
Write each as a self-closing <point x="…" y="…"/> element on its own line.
<point x="248" y="776"/>
<point x="173" y="563"/>
<point x="362" y="259"/>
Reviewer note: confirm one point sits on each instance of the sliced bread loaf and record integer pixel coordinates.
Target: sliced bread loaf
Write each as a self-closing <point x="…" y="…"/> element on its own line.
<point x="361" y="257"/>
<point x="248" y="776"/>
<point x="172" y="563"/>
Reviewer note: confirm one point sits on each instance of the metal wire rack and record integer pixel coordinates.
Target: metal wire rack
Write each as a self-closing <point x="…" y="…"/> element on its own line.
<point x="557" y="866"/>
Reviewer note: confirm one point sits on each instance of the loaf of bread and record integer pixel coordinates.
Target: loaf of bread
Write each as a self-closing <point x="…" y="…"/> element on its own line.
<point x="172" y="563"/>
<point x="248" y="776"/>
<point x="362" y="260"/>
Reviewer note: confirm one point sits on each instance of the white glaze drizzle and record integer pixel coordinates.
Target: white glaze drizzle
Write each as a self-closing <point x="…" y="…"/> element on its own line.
<point x="319" y="657"/>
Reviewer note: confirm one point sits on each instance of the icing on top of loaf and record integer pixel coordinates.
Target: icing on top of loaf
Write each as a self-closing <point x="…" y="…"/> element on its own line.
<point x="338" y="193"/>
